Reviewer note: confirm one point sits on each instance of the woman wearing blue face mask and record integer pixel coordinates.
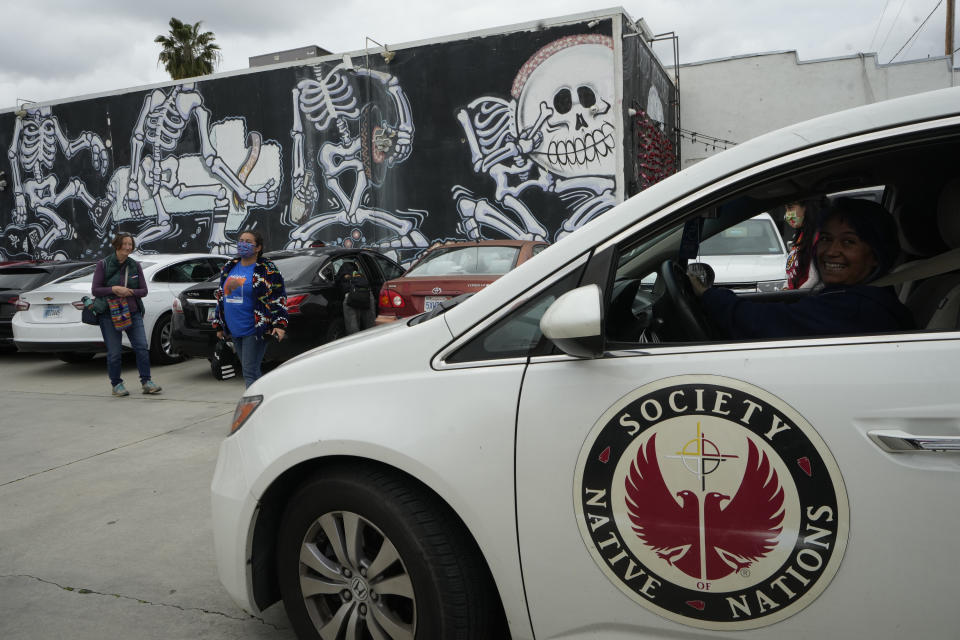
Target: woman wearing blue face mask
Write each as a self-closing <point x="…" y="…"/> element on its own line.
<point x="251" y="303"/>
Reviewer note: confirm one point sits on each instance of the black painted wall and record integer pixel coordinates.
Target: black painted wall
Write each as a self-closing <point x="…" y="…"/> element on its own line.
<point x="433" y="145"/>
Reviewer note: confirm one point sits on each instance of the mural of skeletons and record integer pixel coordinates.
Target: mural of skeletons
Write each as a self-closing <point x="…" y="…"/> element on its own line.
<point x="362" y="145"/>
<point x="556" y="134"/>
<point x="37" y="136"/>
<point x="160" y="128"/>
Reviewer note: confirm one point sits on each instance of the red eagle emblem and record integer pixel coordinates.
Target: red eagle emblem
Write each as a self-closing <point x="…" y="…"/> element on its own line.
<point x="734" y="535"/>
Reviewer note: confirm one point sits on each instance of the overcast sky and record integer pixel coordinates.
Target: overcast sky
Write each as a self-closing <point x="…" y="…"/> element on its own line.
<point x="55" y="49"/>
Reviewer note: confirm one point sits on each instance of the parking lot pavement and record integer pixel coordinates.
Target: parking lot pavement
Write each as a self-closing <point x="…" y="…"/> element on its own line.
<point x="105" y="505"/>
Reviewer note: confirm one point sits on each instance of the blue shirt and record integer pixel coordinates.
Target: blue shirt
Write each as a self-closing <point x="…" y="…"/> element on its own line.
<point x="238" y="303"/>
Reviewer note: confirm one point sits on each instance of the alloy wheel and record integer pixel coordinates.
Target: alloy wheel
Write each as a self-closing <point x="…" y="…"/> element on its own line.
<point x="353" y="582"/>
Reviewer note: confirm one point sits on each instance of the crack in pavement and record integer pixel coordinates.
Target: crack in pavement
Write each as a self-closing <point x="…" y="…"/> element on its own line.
<point x="84" y="591"/>
<point x="117" y="448"/>
<point x="132" y="398"/>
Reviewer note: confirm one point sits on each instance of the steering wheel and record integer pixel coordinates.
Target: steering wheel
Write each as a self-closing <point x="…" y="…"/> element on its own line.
<point x="685" y="305"/>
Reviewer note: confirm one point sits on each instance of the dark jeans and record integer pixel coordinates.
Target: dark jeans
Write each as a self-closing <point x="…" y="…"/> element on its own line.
<point x="355" y="320"/>
<point x="114" y="341"/>
<point x="250" y="350"/>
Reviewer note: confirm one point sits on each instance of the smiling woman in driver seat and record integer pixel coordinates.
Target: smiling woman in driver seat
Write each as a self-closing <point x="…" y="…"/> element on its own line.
<point x="857" y="244"/>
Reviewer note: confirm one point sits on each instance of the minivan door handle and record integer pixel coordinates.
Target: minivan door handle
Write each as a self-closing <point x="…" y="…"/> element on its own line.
<point x="902" y="442"/>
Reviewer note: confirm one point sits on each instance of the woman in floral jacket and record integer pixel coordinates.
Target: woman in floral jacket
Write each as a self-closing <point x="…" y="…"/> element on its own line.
<point x="251" y="303"/>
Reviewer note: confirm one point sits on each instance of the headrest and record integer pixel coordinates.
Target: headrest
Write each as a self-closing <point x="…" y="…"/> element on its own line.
<point x="948" y="213"/>
<point x="916" y="230"/>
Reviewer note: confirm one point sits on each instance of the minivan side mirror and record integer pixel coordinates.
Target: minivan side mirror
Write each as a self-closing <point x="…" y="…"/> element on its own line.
<point x="574" y="322"/>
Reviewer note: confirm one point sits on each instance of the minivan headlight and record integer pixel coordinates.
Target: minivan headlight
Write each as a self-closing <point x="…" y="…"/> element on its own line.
<point x="245" y="408"/>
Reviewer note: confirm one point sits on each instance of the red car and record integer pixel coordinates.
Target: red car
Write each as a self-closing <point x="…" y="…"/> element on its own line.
<point x="450" y="270"/>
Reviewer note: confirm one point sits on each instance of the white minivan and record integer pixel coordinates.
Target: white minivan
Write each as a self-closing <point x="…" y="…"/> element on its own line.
<point x="569" y="454"/>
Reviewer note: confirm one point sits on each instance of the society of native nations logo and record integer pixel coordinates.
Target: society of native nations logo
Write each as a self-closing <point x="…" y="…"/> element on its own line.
<point x="711" y="502"/>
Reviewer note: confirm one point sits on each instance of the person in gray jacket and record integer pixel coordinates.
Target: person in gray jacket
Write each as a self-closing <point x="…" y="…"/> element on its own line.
<point x="118" y="286"/>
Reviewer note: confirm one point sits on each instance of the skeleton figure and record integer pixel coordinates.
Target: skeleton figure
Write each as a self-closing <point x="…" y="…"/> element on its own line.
<point x="556" y="135"/>
<point x="161" y="125"/>
<point x="36" y="137"/>
<point x="362" y="145"/>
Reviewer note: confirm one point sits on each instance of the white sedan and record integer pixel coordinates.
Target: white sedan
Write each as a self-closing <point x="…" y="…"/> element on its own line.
<point x="569" y="454"/>
<point x="48" y="318"/>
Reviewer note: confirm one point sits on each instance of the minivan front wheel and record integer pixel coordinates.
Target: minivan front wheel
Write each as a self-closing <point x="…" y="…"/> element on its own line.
<point x="365" y="553"/>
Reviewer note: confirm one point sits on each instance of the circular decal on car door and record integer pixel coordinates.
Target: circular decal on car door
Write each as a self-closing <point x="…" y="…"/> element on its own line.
<point x="712" y="503"/>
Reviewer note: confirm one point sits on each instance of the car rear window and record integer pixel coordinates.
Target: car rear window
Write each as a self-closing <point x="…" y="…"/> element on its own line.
<point x="22" y="278"/>
<point x="750" y="237"/>
<point x="86" y="273"/>
<point x="295" y="268"/>
<point x="467" y="261"/>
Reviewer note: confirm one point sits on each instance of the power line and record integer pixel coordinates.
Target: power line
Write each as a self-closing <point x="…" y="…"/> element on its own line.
<point x="875" y="31"/>
<point x="892" y="25"/>
<point x="940" y="2"/>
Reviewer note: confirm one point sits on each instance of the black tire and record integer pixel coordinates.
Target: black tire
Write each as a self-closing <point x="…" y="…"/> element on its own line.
<point x="161" y="350"/>
<point x="438" y="586"/>
<point x="74" y="357"/>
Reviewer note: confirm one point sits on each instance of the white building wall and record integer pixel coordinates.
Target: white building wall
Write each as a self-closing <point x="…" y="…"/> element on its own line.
<point x="742" y="97"/>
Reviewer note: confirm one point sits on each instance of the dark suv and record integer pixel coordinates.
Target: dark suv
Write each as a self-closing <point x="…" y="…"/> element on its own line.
<point x="314" y="301"/>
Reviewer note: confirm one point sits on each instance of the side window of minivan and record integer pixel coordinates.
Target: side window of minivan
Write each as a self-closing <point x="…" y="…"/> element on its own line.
<point x="518" y="334"/>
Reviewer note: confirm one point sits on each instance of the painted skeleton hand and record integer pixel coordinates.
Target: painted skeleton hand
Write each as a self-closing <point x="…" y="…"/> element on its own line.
<point x="403" y="146"/>
<point x="305" y="189"/>
<point x="19" y="210"/>
<point x="529" y="140"/>
<point x="131" y="201"/>
<point x="98" y="153"/>
<point x="264" y="196"/>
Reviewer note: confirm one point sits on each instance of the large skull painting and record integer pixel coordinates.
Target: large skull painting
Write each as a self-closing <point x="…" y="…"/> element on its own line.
<point x="573" y="77"/>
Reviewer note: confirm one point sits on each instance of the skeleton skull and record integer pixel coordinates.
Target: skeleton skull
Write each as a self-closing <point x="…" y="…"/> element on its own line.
<point x="572" y="80"/>
<point x="655" y="107"/>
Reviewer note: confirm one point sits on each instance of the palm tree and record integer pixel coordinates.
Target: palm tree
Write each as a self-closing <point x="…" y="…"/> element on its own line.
<point x="186" y="51"/>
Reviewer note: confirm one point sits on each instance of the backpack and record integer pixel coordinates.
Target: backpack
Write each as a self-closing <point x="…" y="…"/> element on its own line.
<point x="224" y="363"/>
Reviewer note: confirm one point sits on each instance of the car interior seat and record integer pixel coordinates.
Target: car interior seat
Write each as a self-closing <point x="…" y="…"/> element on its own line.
<point x="935" y="301"/>
<point x="201" y="273"/>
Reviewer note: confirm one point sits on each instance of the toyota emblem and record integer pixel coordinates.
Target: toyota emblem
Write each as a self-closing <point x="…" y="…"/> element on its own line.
<point x="437" y="290"/>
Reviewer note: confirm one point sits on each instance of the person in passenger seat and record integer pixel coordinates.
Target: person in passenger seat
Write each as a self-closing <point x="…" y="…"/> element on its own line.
<point x="802" y="216"/>
<point x="857" y="244"/>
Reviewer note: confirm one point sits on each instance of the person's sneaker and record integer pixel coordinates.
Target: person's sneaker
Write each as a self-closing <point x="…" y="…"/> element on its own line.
<point x="120" y="390"/>
<point x="151" y="387"/>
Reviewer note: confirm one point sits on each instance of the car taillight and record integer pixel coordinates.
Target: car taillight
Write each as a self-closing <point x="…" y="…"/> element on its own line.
<point x="78" y="305"/>
<point x="21" y="304"/>
<point x="391" y="300"/>
<point x="294" y="302"/>
<point x="176" y="306"/>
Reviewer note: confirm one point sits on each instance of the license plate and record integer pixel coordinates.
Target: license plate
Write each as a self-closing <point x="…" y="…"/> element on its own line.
<point x="211" y="313"/>
<point x="52" y="311"/>
<point x="431" y="302"/>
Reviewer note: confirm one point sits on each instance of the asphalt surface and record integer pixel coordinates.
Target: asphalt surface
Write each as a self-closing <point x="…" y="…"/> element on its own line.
<point x="105" y="525"/>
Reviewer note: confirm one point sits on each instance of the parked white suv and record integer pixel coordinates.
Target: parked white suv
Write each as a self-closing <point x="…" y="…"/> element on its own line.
<point x="749" y="257"/>
<point x="565" y="455"/>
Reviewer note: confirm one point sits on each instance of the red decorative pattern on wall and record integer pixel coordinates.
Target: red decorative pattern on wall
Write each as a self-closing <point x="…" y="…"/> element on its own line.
<point x="656" y="156"/>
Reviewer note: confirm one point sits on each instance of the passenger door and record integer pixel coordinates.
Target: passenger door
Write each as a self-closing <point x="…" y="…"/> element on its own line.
<point x="670" y="490"/>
